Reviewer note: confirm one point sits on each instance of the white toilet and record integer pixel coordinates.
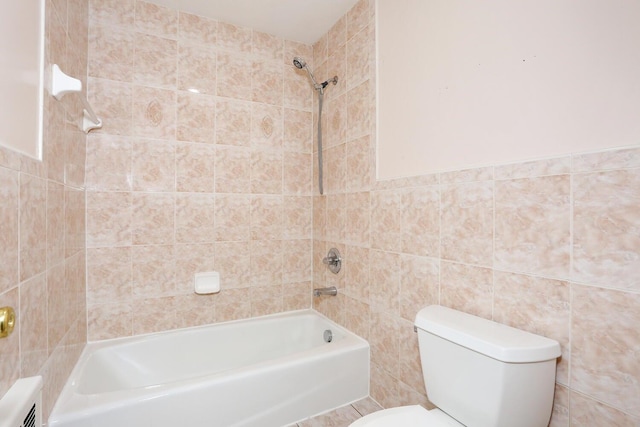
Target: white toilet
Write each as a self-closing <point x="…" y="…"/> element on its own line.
<point x="478" y="373"/>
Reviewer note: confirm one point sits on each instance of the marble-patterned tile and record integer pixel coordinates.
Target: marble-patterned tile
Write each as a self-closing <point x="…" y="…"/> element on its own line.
<point x="297" y="219"/>
<point x="468" y="175"/>
<point x="537" y="305"/>
<point x="266" y="217"/>
<point x="336" y="217"/>
<point x="560" y="411"/>
<point x="341" y="417"/>
<point x="110" y="320"/>
<point x="195" y="218"/>
<point x="421" y="221"/>
<point x="298" y="91"/>
<point x="410" y="365"/>
<point x="296" y="296"/>
<point x="113" y="103"/>
<point x="234" y="76"/>
<point x="360" y="164"/>
<point x="606" y="229"/>
<point x="622" y="158"/>
<point x="196" y="118"/>
<point x="233" y="217"/>
<point x="155" y="61"/>
<point x="108" y="219"/>
<point x="154" y="113"/>
<point x="532" y="225"/>
<point x="466" y="288"/>
<point x="233" y="304"/>
<point x="157" y="20"/>
<point x="109" y="276"/>
<point x="233" y="261"/>
<point x="155" y="315"/>
<point x="357" y="317"/>
<point x="297" y="173"/>
<point x="153" y="271"/>
<point x="419" y="284"/>
<point x="195" y="29"/>
<point x="266" y="299"/>
<point x="33" y="226"/>
<point x="384" y="288"/>
<point x="297" y="131"/>
<point x="108" y="166"/>
<point x="384" y="387"/>
<point x="33" y="325"/>
<point x="358" y="273"/>
<point x="112" y="12"/>
<point x="9" y="228"/>
<point x="335" y="110"/>
<point x="604" y="342"/>
<point x="359" y="114"/>
<point x="266" y="263"/>
<point x="152" y="218"/>
<point x="467" y="223"/>
<point x="267" y="80"/>
<point x="233" y="122"/>
<point x="532" y="169"/>
<point x="195" y="167"/>
<point x="358" y="218"/>
<point x="336" y="66"/>
<point x="10" y="346"/>
<point x="266" y="126"/>
<point x="196" y="69"/>
<point x="153" y="165"/>
<point x="386" y="220"/>
<point x="359" y="16"/>
<point x="360" y="52"/>
<point x="266" y="171"/>
<point x="233" y="170"/>
<point x="234" y="38"/>
<point x="337" y="35"/>
<point x="366" y="406"/>
<point x="297" y="261"/>
<point x="587" y="412"/>
<point x="111" y="53"/>
<point x="335" y="168"/>
<point x="191" y="259"/>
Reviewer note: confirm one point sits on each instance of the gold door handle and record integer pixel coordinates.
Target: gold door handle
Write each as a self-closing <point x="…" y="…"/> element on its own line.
<point x="7" y="321"/>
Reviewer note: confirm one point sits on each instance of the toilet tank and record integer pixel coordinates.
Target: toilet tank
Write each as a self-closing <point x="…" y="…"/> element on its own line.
<point x="485" y="374"/>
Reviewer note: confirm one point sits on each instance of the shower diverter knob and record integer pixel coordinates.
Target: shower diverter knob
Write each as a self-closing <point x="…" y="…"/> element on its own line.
<point x="333" y="260"/>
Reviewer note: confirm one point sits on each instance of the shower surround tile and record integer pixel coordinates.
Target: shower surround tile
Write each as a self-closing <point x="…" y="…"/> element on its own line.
<point x="196" y="69"/>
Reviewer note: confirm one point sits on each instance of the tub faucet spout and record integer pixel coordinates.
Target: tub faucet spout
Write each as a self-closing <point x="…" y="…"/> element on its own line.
<point x="332" y="291"/>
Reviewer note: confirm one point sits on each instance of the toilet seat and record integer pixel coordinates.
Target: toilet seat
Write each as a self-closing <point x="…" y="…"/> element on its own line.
<point x="407" y="416"/>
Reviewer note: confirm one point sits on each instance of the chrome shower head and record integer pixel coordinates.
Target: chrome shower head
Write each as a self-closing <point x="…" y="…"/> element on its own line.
<point x="299" y="62"/>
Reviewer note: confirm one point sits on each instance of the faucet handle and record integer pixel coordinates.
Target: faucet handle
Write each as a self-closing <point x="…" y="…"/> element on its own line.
<point x="333" y="260"/>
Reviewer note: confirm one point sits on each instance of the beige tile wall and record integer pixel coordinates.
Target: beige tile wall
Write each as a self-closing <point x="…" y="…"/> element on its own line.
<point x="549" y="246"/>
<point x="204" y="163"/>
<point x="42" y="238"/>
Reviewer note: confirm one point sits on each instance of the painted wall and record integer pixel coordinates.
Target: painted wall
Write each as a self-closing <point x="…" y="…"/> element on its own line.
<point x="42" y="239"/>
<point x="203" y="163"/>
<point x="467" y="85"/>
<point x="550" y="246"/>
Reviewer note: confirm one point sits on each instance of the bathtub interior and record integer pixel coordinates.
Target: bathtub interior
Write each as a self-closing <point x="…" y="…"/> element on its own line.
<point x="174" y="356"/>
<point x="282" y="367"/>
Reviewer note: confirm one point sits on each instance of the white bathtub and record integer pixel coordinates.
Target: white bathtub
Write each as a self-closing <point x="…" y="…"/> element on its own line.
<point x="264" y="372"/>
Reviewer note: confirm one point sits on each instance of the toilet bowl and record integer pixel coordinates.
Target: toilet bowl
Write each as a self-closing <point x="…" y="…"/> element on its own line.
<point x="478" y="373"/>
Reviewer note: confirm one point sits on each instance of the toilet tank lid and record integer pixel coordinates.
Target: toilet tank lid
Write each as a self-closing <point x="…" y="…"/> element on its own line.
<point x="492" y="339"/>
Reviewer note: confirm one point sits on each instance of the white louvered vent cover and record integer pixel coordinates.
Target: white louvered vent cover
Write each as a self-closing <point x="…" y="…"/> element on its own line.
<point x="21" y="406"/>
